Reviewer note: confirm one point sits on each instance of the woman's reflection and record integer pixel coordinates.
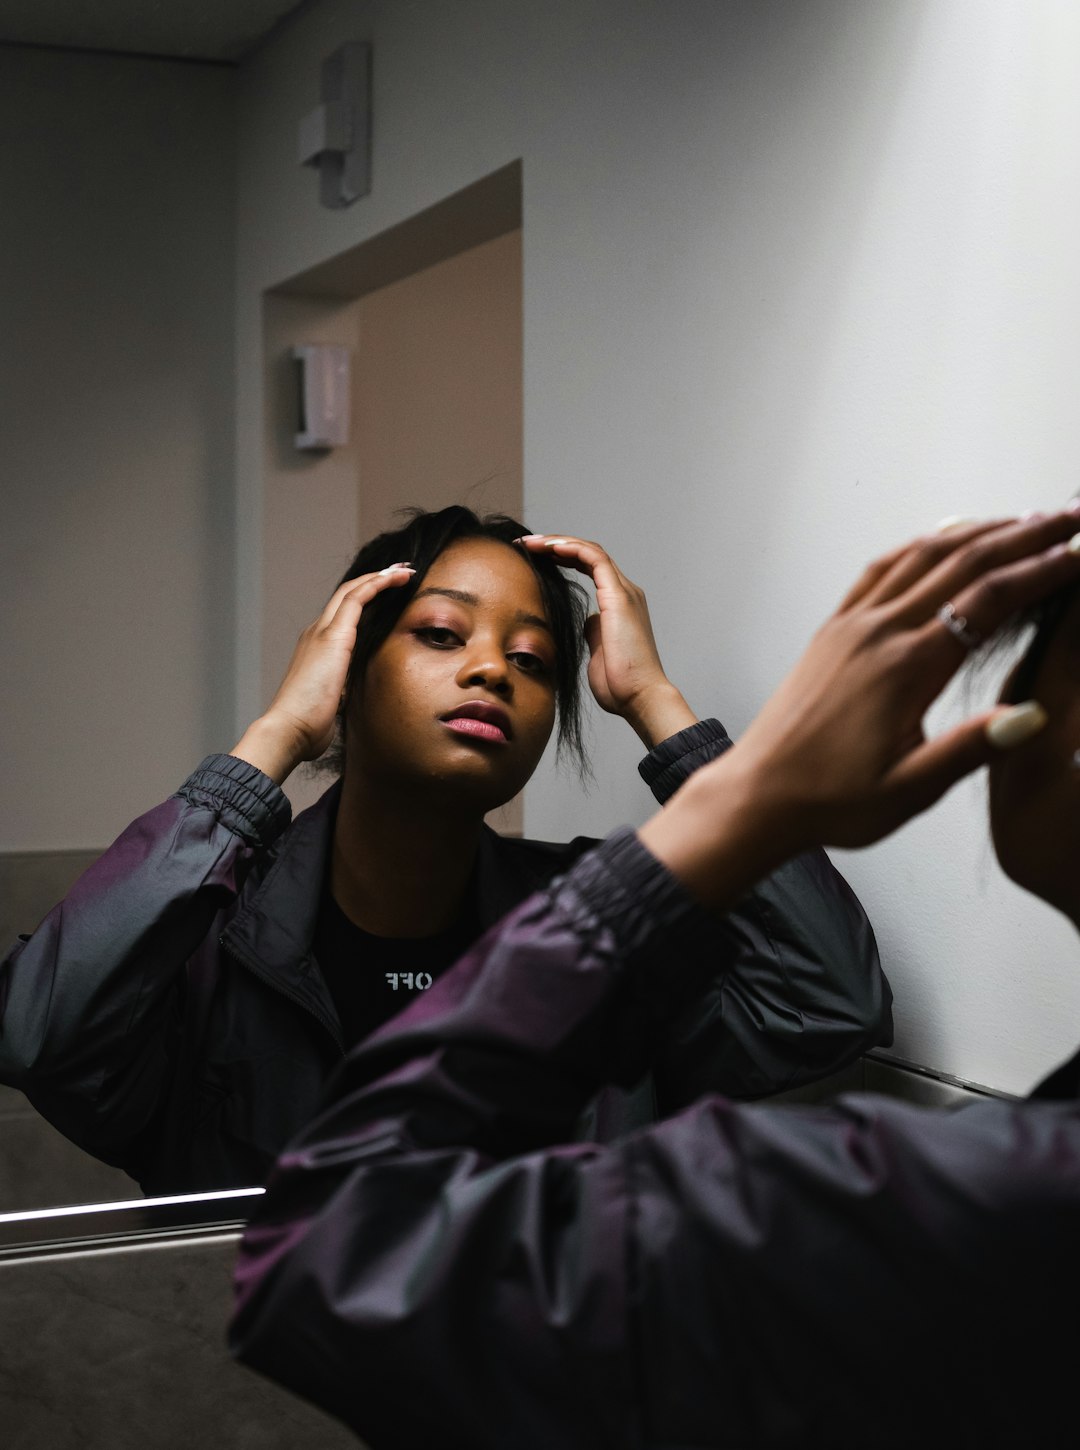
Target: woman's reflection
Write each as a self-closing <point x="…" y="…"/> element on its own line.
<point x="179" y="1013"/>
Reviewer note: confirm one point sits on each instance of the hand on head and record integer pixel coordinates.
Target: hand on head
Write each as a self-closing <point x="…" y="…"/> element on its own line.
<point x="299" y="723"/>
<point x="625" y="673"/>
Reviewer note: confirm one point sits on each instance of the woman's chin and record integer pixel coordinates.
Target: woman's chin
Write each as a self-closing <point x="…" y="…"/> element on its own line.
<point x="475" y="789"/>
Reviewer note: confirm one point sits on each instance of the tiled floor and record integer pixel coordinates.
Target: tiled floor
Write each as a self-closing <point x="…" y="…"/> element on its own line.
<point x="39" y="1168"/>
<point x="124" y="1349"/>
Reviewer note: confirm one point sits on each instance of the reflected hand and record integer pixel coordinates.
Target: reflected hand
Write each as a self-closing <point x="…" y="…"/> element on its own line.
<point x="299" y="724"/>
<point x="625" y="673"/>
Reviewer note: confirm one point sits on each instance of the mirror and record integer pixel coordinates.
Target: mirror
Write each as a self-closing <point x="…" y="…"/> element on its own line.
<point x="778" y="315"/>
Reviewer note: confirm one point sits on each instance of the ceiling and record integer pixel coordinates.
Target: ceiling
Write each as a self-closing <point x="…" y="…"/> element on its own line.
<point x="212" y="30"/>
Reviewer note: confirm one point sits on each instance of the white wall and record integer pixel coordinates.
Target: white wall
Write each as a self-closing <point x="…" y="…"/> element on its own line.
<point x="800" y="279"/>
<point x="117" y="436"/>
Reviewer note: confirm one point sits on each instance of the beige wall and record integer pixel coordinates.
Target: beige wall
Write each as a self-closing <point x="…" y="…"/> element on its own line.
<point x="438" y="387"/>
<point x="436" y="419"/>
<point x="310" y="498"/>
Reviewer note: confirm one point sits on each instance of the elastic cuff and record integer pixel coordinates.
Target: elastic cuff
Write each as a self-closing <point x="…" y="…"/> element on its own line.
<point x="244" y="799"/>
<point x="672" y="761"/>
<point x="653" y="920"/>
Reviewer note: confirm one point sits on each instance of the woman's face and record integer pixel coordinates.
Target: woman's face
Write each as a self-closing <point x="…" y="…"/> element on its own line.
<point x="460" y="698"/>
<point x="1035" y="790"/>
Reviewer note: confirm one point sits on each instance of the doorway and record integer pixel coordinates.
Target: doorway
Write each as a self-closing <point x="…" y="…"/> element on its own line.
<point x="431" y="313"/>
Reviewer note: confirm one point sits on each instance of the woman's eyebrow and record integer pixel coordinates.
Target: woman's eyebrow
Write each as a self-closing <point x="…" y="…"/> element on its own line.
<point x="458" y="594"/>
<point x="463" y="597"/>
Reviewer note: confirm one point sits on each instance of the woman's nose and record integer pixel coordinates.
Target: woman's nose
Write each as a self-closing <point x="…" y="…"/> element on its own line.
<point x="486" y="667"/>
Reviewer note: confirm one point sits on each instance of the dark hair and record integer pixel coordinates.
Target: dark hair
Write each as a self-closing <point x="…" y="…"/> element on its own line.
<point x="419" y="542"/>
<point x="1040" y="621"/>
<point x="1045" y="616"/>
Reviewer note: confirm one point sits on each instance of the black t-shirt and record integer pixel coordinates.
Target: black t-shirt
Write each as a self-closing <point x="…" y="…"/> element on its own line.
<point x="373" y="978"/>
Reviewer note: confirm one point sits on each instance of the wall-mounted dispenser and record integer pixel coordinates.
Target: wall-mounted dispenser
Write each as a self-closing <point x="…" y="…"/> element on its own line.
<point x="323" y="376"/>
<point x="336" y="136"/>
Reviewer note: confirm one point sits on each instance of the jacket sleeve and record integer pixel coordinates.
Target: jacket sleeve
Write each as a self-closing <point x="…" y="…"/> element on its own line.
<point x="434" y="1264"/>
<point x="798" y="991"/>
<point x="91" y="1004"/>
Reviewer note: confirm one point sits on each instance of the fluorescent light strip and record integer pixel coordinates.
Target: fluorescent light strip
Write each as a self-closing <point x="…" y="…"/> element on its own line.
<point x="75" y="1208"/>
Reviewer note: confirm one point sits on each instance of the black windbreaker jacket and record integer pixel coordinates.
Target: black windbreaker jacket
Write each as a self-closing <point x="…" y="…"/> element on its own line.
<point x="435" y="1263"/>
<point x="169" y="1017"/>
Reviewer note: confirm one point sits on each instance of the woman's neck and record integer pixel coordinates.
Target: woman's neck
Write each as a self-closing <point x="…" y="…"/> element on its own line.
<point x="398" y="867"/>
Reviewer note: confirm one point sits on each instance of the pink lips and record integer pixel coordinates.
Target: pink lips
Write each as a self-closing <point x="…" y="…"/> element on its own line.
<point x="479" y="721"/>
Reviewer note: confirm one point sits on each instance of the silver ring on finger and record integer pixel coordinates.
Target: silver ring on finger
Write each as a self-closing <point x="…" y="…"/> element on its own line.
<point x="957" y="626"/>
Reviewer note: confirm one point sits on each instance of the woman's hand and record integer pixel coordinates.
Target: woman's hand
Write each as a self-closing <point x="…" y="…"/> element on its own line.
<point x="625" y="673"/>
<point x="838" y="756"/>
<point x="299" y="725"/>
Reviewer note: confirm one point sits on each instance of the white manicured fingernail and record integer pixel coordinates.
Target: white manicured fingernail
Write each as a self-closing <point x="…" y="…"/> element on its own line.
<point x="1073" y="545"/>
<point x="1015" y="725"/>
<point x="528" y="538"/>
<point x="954" y="521"/>
<point x="394" y="568"/>
<point x="550" y="543"/>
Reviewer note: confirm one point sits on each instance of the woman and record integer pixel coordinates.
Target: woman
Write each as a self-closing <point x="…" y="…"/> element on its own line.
<point x="435" y="1264"/>
<point x="180" y="1012"/>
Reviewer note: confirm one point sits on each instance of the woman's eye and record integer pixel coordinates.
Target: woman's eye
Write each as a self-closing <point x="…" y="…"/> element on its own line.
<point x="437" y="636"/>
<point x="530" y="663"/>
